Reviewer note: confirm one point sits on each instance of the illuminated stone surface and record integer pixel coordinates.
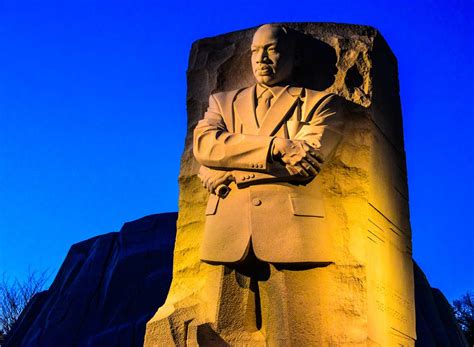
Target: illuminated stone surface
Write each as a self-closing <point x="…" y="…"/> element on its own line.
<point x="140" y="266"/>
<point x="365" y="296"/>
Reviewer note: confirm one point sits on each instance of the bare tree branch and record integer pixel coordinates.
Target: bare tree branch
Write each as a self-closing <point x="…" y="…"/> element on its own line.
<point x="464" y="313"/>
<point x="15" y="295"/>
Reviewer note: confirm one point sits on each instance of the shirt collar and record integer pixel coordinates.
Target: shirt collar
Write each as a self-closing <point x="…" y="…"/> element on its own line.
<point x="275" y="90"/>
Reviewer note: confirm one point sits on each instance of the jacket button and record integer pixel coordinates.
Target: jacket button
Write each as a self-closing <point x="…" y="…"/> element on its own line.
<point x="256" y="202"/>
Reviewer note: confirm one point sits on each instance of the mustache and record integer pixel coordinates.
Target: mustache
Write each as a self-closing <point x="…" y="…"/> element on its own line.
<point x="264" y="67"/>
<point x="260" y="65"/>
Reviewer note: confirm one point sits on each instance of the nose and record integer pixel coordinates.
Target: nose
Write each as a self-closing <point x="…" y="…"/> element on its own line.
<point x="262" y="56"/>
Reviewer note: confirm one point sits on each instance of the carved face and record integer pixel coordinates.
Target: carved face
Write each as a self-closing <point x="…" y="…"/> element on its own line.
<point x="272" y="56"/>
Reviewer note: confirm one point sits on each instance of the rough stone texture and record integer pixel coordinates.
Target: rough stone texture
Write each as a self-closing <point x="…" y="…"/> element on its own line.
<point x="43" y="323"/>
<point x="367" y="296"/>
<point x="106" y="290"/>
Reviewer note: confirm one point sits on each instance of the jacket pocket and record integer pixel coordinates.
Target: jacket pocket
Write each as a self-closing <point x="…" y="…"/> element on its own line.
<point x="307" y="206"/>
<point x="212" y="205"/>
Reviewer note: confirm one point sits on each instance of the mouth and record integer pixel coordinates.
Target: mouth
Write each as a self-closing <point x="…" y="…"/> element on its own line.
<point x="265" y="71"/>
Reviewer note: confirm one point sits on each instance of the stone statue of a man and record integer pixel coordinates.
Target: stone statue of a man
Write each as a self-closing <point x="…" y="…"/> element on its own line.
<point x="261" y="149"/>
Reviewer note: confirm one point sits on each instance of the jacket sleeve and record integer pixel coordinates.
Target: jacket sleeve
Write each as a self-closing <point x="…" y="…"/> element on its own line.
<point x="217" y="148"/>
<point x="277" y="173"/>
<point x="322" y="130"/>
<point x="324" y="126"/>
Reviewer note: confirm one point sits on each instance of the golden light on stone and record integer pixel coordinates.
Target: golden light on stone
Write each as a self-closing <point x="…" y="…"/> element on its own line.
<point x="361" y="291"/>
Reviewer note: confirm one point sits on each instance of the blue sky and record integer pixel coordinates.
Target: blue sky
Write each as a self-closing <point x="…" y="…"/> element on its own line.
<point x="85" y="84"/>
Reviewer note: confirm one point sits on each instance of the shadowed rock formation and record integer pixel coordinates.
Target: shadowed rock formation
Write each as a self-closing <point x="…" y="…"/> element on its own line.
<point x="435" y="322"/>
<point x="110" y="285"/>
<point x="106" y="290"/>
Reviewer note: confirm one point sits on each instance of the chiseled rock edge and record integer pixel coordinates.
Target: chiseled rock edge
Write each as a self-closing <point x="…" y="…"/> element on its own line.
<point x="105" y="291"/>
<point x="110" y="285"/>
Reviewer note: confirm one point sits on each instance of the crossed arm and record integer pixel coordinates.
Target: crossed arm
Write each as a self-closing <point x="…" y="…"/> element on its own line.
<point x="290" y="161"/>
<point x="250" y="159"/>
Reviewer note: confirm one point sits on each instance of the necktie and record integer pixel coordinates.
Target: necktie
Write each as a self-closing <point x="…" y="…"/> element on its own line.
<point x="263" y="104"/>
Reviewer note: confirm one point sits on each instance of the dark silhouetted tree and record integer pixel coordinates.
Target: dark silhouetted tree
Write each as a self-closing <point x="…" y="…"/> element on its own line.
<point x="464" y="313"/>
<point x="15" y="295"/>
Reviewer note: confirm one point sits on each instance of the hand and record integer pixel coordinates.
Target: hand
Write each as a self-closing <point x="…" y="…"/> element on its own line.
<point x="298" y="156"/>
<point x="211" y="179"/>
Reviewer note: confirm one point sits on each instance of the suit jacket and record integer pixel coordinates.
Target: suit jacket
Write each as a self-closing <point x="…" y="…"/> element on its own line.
<point x="283" y="216"/>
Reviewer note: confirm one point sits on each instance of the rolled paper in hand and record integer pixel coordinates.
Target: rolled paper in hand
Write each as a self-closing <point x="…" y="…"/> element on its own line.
<point x="222" y="191"/>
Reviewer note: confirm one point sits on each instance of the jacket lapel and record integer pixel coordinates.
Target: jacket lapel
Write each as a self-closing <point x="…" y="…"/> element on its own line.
<point x="278" y="112"/>
<point x="245" y="110"/>
<point x="311" y="102"/>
